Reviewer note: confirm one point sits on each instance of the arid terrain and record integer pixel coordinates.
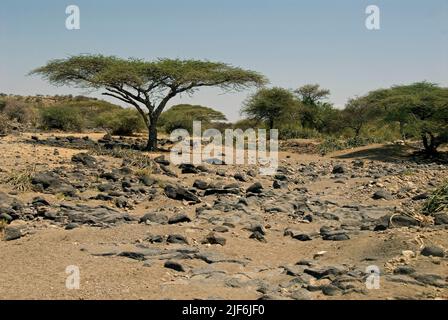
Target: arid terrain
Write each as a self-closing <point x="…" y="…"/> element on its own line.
<point x="147" y="229"/>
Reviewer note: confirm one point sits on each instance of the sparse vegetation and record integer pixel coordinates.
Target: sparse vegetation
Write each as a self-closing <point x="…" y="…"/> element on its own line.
<point x="437" y="203"/>
<point x="63" y="118"/>
<point x="182" y="117"/>
<point x="124" y="122"/>
<point x="20" y="180"/>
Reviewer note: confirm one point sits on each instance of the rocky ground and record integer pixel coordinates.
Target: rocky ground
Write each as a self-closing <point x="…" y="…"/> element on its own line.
<point x="139" y="227"/>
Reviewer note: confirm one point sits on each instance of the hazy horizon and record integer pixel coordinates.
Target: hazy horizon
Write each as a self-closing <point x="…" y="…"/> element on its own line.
<point x="290" y="42"/>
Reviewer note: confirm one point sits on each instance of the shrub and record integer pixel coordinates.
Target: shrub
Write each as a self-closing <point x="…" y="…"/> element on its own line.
<point x="21" y="112"/>
<point x="61" y="118"/>
<point x="437" y="203"/>
<point x="297" y="132"/>
<point x="182" y="117"/>
<point x="245" y="124"/>
<point x="5" y="125"/>
<point x="121" y="122"/>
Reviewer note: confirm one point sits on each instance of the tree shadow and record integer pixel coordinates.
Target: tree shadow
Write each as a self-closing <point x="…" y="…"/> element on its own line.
<point x="394" y="153"/>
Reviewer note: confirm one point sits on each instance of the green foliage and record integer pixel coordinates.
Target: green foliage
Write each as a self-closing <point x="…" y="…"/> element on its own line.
<point x="5" y="125"/>
<point x="20" y="111"/>
<point x="420" y="109"/>
<point x="270" y="105"/>
<point x="147" y="85"/>
<point x="182" y="117"/>
<point x="245" y="124"/>
<point x="437" y="203"/>
<point x="295" y="131"/>
<point x="122" y="122"/>
<point x="61" y="117"/>
<point x="332" y="144"/>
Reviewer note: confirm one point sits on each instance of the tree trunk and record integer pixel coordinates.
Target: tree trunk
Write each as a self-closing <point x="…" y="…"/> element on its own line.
<point x="429" y="144"/>
<point x="152" y="136"/>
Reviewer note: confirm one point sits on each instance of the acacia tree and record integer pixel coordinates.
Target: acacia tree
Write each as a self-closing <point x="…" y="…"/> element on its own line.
<point x="421" y="106"/>
<point x="314" y="108"/>
<point x="357" y="113"/>
<point x="146" y="85"/>
<point x="270" y="105"/>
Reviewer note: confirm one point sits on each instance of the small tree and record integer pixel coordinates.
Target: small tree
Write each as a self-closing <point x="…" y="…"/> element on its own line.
<point x="270" y="105"/>
<point x="357" y="113"/>
<point x="182" y="116"/>
<point x="421" y="107"/>
<point x="146" y="85"/>
<point x="314" y="108"/>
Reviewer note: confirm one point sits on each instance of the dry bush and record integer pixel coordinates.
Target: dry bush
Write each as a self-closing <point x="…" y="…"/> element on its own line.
<point x="20" y="180"/>
<point x="5" y="125"/>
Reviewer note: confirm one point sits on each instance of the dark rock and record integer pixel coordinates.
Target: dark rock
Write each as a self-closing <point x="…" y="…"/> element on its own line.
<point x="213" y="191"/>
<point x="180" y="193"/>
<point x="255" y="188"/>
<point x="12" y="233"/>
<point x="302" y="237"/>
<point x="167" y="171"/>
<point x="174" y="265"/>
<point x="441" y="218"/>
<point x="5" y="217"/>
<point x="404" y="270"/>
<point x="301" y="294"/>
<point x="431" y="279"/>
<point x="71" y="226"/>
<point x="331" y="290"/>
<point x="337" y="235"/>
<point x="358" y="163"/>
<point x="161" y="160"/>
<point x="110" y="176"/>
<point x="179" y="219"/>
<point x="421" y="196"/>
<point x="240" y="177"/>
<point x="339" y="169"/>
<point x="280" y="184"/>
<point x="188" y="168"/>
<point x="257" y="236"/>
<point x="382" y="194"/>
<point x="177" y="238"/>
<point x="155" y="218"/>
<point x="201" y="185"/>
<point x="106" y="187"/>
<point x="257" y="228"/>
<point x="433" y="251"/>
<point x="221" y="229"/>
<point x="155" y="239"/>
<point x="47" y="180"/>
<point x="394" y="221"/>
<point x="212" y="238"/>
<point x="320" y="273"/>
<point x="39" y="201"/>
<point x="133" y="255"/>
<point x="147" y="181"/>
<point x="84" y="159"/>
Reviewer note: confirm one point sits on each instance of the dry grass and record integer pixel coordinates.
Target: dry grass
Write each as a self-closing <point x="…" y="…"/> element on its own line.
<point x="438" y="202"/>
<point x="131" y="157"/>
<point x="20" y="180"/>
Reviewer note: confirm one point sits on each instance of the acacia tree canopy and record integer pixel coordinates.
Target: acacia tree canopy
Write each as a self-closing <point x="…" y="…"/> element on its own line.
<point x="270" y="105"/>
<point x="421" y="106"/>
<point x="146" y="85"/>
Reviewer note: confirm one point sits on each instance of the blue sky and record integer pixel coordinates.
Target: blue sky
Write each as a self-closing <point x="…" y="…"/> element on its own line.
<point x="292" y="42"/>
